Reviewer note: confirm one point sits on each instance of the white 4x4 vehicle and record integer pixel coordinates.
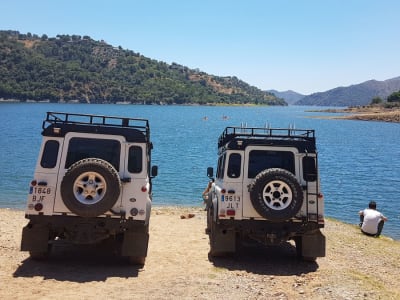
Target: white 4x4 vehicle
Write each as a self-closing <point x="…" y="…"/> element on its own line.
<point x="92" y="183"/>
<point x="266" y="189"/>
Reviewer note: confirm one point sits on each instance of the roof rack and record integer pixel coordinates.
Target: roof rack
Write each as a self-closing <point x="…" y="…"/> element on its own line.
<point x="60" y="118"/>
<point x="231" y="133"/>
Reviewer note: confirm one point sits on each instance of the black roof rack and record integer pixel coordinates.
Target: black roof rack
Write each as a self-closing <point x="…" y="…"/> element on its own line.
<point x="259" y="133"/>
<point x="96" y="124"/>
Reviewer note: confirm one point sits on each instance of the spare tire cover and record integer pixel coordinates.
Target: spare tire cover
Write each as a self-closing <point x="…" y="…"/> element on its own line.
<point x="276" y="194"/>
<point x="90" y="187"/>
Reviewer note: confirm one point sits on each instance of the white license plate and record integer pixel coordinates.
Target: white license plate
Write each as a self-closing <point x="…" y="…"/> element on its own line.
<point x="39" y="193"/>
<point x="230" y="198"/>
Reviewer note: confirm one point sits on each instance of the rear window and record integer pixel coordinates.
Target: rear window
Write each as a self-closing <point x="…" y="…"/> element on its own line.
<point x="50" y="154"/>
<point x="309" y="169"/>
<point x="260" y="160"/>
<point x="135" y="160"/>
<point x="234" y="165"/>
<point x="80" y="148"/>
<point x="221" y="167"/>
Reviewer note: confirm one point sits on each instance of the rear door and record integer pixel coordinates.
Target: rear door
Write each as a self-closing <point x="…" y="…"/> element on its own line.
<point x="260" y="159"/>
<point x="82" y="145"/>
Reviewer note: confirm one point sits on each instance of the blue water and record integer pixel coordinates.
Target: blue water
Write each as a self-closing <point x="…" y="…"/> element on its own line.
<point x="359" y="161"/>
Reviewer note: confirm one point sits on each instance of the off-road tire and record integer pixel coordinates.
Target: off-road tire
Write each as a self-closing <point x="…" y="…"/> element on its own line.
<point x="90" y="187"/>
<point x="40" y="255"/>
<point x="213" y="228"/>
<point x="137" y="260"/>
<point x="276" y="194"/>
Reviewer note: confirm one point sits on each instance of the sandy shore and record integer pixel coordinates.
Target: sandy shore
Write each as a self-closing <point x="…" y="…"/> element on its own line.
<point x="178" y="267"/>
<point x="367" y="113"/>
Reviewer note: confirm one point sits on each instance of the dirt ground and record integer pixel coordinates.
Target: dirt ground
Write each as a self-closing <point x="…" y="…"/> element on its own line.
<point x="178" y="266"/>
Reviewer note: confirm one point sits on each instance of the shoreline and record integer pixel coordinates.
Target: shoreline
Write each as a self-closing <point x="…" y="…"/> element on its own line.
<point x="169" y="207"/>
<point x="364" y="113"/>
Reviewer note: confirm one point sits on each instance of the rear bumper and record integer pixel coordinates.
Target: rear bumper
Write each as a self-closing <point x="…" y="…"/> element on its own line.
<point x="274" y="231"/>
<point x="77" y="230"/>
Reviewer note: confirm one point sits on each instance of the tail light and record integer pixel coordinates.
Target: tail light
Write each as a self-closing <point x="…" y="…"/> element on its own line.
<point x="230" y="212"/>
<point x="38" y="206"/>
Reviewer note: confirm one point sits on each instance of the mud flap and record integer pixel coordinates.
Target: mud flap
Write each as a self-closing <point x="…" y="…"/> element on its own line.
<point x="313" y="245"/>
<point x="135" y="244"/>
<point x="223" y="241"/>
<point x="35" y="238"/>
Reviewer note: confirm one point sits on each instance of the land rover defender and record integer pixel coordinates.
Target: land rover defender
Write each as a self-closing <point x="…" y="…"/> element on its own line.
<point x="92" y="182"/>
<point x="266" y="189"/>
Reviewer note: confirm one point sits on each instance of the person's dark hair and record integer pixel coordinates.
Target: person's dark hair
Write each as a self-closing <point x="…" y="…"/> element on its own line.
<point x="372" y="205"/>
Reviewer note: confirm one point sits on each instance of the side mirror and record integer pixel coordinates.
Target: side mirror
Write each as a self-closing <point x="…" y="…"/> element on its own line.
<point x="210" y="172"/>
<point x="154" y="171"/>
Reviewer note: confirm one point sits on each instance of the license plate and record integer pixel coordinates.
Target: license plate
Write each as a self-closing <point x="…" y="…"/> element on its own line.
<point x="230" y="198"/>
<point x="39" y="193"/>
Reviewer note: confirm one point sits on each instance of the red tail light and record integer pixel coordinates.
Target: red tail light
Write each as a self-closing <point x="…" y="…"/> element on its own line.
<point x="230" y="212"/>
<point x="38" y="206"/>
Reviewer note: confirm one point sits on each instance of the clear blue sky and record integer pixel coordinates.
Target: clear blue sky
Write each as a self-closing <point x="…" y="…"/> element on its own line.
<point x="303" y="45"/>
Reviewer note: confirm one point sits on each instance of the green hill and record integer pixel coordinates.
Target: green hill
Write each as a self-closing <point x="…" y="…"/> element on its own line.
<point x="357" y="94"/>
<point x="74" y="68"/>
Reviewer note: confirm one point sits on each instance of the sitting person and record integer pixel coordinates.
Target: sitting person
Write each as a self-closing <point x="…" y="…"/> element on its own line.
<point x="371" y="220"/>
<point x="206" y="191"/>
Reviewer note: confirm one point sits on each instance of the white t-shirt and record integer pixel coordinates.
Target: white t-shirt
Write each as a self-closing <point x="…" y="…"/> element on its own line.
<point x="372" y="218"/>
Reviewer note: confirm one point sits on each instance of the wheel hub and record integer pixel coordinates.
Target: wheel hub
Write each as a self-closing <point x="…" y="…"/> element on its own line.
<point x="277" y="195"/>
<point x="89" y="188"/>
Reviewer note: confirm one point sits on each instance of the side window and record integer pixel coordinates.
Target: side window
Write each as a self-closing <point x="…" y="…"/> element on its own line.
<point x="260" y="160"/>
<point x="221" y="167"/>
<point x="50" y="154"/>
<point x="309" y="169"/>
<point x="80" y="148"/>
<point x="135" y="159"/>
<point x="234" y="165"/>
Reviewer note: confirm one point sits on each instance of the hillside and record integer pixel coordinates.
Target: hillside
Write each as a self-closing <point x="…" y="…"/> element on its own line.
<point x="74" y="68"/>
<point x="358" y="94"/>
<point x="291" y="97"/>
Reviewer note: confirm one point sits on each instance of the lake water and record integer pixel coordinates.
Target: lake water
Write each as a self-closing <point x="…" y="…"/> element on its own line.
<point x="359" y="161"/>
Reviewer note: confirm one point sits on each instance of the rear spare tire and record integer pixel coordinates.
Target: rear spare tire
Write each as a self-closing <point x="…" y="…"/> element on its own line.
<point x="90" y="187"/>
<point x="276" y="194"/>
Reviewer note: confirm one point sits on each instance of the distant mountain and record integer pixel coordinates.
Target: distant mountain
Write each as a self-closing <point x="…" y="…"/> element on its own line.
<point x="358" y="94"/>
<point x="290" y="96"/>
<point x="72" y="68"/>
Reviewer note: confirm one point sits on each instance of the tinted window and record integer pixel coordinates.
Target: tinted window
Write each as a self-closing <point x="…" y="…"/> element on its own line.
<point x="80" y="148"/>
<point x="260" y="160"/>
<point x="234" y="165"/>
<point x="309" y="169"/>
<point x="221" y="167"/>
<point x="135" y="159"/>
<point x="50" y="154"/>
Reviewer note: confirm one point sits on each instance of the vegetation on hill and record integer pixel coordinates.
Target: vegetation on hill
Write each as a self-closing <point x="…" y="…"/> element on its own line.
<point x="377" y="110"/>
<point x="75" y="68"/>
<point x="358" y="94"/>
